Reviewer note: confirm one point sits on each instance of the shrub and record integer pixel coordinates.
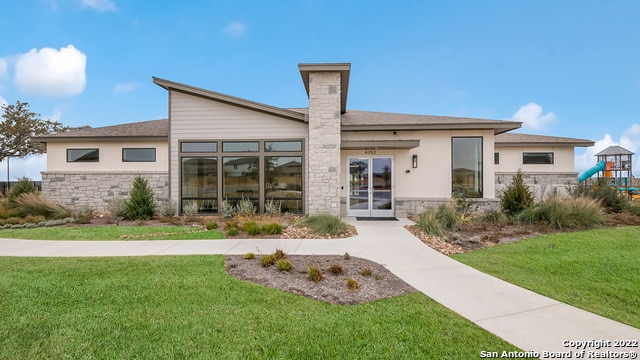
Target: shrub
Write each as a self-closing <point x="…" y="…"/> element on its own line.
<point x="23" y="186"/>
<point x="609" y="196"/>
<point x="227" y="209"/>
<point x="252" y="228"/>
<point x="284" y="265"/>
<point x="83" y="215"/>
<point x="279" y="254"/>
<point x="558" y="213"/>
<point x="140" y="204"/>
<point x="447" y="216"/>
<point x="335" y="269"/>
<point x="117" y="208"/>
<point x="366" y="272"/>
<point x="211" y="225"/>
<point x="272" y="228"/>
<point x="190" y="208"/>
<point x="272" y="207"/>
<point x="429" y="222"/>
<point x="325" y="225"/>
<point x="168" y="208"/>
<point x="494" y="217"/>
<point x="268" y="260"/>
<point x="517" y="196"/>
<point x="314" y="274"/>
<point x="233" y="231"/>
<point x="249" y="256"/>
<point x="231" y="224"/>
<point x="352" y="284"/>
<point x="34" y="204"/>
<point x="246" y="207"/>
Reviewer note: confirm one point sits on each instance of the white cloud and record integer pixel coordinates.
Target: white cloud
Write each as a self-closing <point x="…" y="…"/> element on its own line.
<point x="235" y="29"/>
<point x="531" y="116"/>
<point x="29" y="166"/>
<point x="3" y="67"/>
<point x="51" y="72"/>
<point x="629" y="140"/>
<point x="100" y="5"/>
<point x="125" y="87"/>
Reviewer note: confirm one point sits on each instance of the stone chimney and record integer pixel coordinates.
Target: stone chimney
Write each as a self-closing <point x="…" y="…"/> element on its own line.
<point x="326" y="86"/>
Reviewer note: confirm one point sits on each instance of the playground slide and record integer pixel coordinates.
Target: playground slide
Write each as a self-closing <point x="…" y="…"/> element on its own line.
<point x="587" y="174"/>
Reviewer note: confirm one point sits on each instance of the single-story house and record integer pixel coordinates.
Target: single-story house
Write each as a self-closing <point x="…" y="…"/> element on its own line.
<point x="321" y="159"/>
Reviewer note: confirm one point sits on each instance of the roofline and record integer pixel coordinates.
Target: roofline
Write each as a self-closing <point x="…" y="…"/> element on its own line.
<point x="228" y="99"/>
<point x="497" y="128"/>
<point x="343" y="68"/>
<point x="547" y="143"/>
<point x="47" y="139"/>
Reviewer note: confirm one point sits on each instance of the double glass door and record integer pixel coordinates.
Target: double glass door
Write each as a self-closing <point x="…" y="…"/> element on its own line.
<point x="370" y="186"/>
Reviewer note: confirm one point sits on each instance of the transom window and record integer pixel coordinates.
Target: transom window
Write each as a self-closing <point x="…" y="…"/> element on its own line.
<point x="199" y="147"/>
<point x="138" y="154"/>
<point x="240" y="146"/>
<point x="534" y="158"/>
<point x="83" y="155"/>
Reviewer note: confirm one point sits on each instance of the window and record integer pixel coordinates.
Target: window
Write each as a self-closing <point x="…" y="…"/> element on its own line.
<point x="283" y="182"/>
<point x="199" y="182"/>
<point x="466" y="156"/>
<point x="240" y="146"/>
<point x="241" y="179"/>
<point x="496" y="158"/>
<point x="199" y="147"/>
<point x="83" y="155"/>
<point x="138" y="155"/>
<point x="282" y="146"/>
<point x="536" y="158"/>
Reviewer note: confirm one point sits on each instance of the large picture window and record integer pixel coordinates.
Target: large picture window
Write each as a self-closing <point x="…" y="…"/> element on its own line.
<point x="536" y="158"/>
<point x="83" y="155"/>
<point x="283" y="182"/>
<point x="466" y="154"/>
<point x="199" y="183"/>
<point x="241" y="179"/>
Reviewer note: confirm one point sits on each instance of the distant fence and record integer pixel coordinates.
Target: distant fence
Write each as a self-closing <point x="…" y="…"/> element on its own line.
<point x="5" y="186"/>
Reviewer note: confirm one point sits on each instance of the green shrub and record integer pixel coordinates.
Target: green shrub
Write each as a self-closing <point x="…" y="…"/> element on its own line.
<point x="268" y="260"/>
<point x="252" y="228"/>
<point x="447" y="216"/>
<point x="314" y="274"/>
<point x="279" y="254"/>
<point x="609" y="196"/>
<point x="335" y="269"/>
<point x="272" y="229"/>
<point x="23" y="186"/>
<point x="558" y="213"/>
<point x="140" y="204"/>
<point x="7" y="213"/>
<point x="494" y="217"/>
<point x="633" y="208"/>
<point x="117" y="208"/>
<point x="249" y="256"/>
<point x="34" y="204"/>
<point x="284" y="265"/>
<point x="429" y="222"/>
<point x="325" y="225"/>
<point x="83" y="215"/>
<point x="517" y="196"/>
<point x="352" y="284"/>
<point x="232" y="231"/>
<point x="212" y="225"/>
<point x="366" y="272"/>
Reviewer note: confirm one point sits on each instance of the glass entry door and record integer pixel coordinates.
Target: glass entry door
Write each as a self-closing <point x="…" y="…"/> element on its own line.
<point x="370" y="186"/>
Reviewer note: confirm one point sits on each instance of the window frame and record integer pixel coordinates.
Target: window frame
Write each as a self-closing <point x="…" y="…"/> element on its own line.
<point x="136" y="161"/>
<point x="480" y="172"/>
<point x="550" y="155"/>
<point x="77" y="160"/>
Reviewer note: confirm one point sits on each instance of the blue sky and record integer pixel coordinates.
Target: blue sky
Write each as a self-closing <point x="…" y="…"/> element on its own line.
<point x="564" y="68"/>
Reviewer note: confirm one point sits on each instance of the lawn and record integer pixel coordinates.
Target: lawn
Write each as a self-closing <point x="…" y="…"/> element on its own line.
<point x="188" y="307"/>
<point x="112" y="232"/>
<point x="594" y="270"/>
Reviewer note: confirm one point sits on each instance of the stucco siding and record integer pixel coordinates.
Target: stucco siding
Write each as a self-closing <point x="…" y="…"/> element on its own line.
<point x="511" y="159"/>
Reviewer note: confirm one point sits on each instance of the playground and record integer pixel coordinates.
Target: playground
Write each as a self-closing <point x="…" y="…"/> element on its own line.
<point x="615" y="167"/>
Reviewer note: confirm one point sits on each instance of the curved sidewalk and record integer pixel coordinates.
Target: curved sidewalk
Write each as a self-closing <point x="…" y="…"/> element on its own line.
<point x="527" y="320"/>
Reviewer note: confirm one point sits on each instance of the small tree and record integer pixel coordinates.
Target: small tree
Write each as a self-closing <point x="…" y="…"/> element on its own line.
<point x="140" y="204"/>
<point x="518" y="196"/>
<point x="24" y="185"/>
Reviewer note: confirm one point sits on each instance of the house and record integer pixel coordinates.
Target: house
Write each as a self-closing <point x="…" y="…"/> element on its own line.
<point x="320" y="159"/>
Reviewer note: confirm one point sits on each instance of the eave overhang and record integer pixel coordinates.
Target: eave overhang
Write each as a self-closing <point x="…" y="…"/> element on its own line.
<point x="378" y="144"/>
<point x="343" y="68"/>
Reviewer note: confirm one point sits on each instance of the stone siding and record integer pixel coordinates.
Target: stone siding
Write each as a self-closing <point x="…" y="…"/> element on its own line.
<point x="324" y="144"/>
<point x="542" y="185"/>
<point x="415" y="206"/>
<point x="96" y="189"/>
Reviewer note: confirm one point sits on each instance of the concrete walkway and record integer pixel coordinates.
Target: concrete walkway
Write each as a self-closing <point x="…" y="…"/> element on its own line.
<point x="527" y="320"/>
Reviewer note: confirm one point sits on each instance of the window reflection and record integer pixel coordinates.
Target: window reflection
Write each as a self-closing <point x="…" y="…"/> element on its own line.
<point x="467" y="167"/>
<point x="283" y="182"/>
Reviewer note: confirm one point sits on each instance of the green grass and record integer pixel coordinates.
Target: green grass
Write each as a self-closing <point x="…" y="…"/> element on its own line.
<point x="111" y="233"/>
<point x="188" y="307"/>
<point x="594" y="270"/>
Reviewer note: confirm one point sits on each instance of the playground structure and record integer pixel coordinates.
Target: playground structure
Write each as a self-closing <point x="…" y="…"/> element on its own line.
<point x="615" y="166"/>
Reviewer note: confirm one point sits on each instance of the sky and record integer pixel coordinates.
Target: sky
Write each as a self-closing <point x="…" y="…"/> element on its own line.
<point x="563" y="68"/>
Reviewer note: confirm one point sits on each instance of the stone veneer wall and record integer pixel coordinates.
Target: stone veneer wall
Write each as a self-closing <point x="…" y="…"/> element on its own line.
<point x="416" y="206"/>
<point x="542" y="185"/>
<point x="324" y="143"/>
<point x="75" y="190"/>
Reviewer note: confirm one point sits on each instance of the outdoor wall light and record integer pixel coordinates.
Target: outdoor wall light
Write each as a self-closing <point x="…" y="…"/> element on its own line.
<point x="415" y="161"/>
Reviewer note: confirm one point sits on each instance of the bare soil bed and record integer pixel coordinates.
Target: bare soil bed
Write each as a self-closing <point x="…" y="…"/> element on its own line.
<point x="379" y="284"/>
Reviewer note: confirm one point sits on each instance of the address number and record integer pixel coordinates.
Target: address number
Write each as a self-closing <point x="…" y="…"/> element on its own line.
<point x="370" y="152"/>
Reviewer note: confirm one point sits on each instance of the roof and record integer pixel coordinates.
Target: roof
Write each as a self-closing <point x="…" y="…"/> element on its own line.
<point x="152" y="129"/>
<point x="516" y="139"/>
<point x="343" y="68"/>
<point x="228" y="99"/>
<point x="357" y="120"/>
<point x="614" y="150"/>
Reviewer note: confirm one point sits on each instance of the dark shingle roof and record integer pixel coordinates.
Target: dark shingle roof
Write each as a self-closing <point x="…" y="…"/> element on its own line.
<point x="615" y="150"/>
<point x="515" y="139"/>
<point x="144" y="129"/>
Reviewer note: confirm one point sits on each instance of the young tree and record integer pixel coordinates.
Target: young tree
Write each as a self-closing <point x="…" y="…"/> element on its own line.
<point x="18" y="128"/>
<point x="518" y="196"/>
<point x="140" y="205"/>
